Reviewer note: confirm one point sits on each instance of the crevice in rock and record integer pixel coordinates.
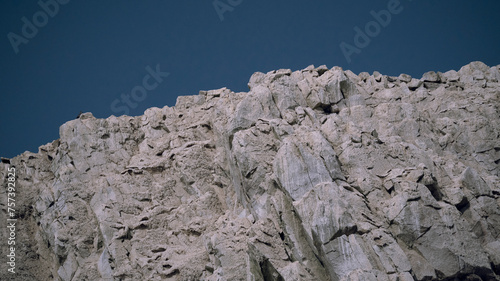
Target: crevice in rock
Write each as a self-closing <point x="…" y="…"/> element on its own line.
<point x="321" y="71"/>
<point x="324" y="108"/>
<point x="424" y="232"/>
<point x="209" y="268"/>
<point x="463" y="206"/>
<point x="495" y="267"/>
<point x="127" y="235"/>
<point x="344" y="231"/>
<point x="264" y="242"/>
<point x="230" y="142"/>
<point x="207" y="126"/>
<point x="269" y="272"/>
<point x="320" y="255"/>
<point x="435" y="192"/>
<point x="171" y="274"/>
<point x="413" y="199"/>
<point x="473" y="274"/>
<point x="282" y="236"/>
<point x="142" y="227"/>
<point x="250" y="173"/>
<point x="159" y="250"/>
<point x="61" y="259"/>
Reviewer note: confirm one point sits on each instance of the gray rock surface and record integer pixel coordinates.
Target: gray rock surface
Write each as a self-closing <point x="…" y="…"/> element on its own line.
<point x="317" y="174"/>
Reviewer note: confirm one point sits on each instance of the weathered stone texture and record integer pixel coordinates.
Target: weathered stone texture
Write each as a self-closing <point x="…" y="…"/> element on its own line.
<point x="318" y="174"/>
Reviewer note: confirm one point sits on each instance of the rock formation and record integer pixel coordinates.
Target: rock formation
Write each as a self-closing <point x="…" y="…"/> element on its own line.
<point x="317" y="174"/>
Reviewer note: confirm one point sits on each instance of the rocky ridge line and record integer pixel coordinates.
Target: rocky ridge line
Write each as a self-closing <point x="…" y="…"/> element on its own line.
<point x="317" y="174"/>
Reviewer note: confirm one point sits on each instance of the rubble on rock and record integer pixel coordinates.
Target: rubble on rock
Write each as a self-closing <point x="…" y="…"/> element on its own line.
<point x="318" y="174"/>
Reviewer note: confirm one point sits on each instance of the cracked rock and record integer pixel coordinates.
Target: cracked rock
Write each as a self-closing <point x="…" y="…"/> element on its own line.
<point x="315" y="174"/>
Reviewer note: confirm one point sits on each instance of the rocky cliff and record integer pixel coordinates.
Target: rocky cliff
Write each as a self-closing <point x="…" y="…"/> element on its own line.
<point x="317" y="174"/>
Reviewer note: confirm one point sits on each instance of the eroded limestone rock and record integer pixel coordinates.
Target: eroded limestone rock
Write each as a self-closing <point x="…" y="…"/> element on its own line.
<point x="317" y="174"/>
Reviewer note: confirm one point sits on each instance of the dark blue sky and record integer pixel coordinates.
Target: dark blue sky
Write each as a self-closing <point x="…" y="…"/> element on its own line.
<point x="87" y="53"/>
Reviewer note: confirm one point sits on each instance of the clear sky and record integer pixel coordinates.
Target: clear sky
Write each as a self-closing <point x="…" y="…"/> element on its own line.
<point x="60" y="57"/>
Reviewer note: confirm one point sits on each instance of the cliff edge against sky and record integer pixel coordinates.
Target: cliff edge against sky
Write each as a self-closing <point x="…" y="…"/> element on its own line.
<point x="317" y="174"/>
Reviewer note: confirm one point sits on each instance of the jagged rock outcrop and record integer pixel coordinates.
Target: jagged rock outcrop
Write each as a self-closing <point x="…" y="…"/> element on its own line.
<point x="318" y="174"/>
